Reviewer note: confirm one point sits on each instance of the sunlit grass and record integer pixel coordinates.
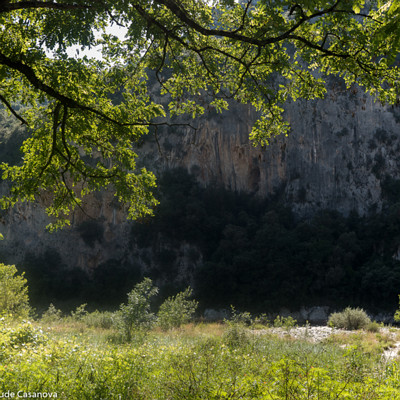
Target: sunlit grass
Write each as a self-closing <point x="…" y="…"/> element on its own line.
<point x="369" y="342"/>
<point x="197" y="361"/>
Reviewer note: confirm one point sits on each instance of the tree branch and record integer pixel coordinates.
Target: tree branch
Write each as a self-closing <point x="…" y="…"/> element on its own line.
<point x="287" y="35"/>
<point x="181" y="13"/>
<point x="13" y="112"/>
<point x="23" y="5"/>
<point x="318" y="47"/>
<point x="53" y="150"/>
<point x="63" y="123"/>
<point x="244" y="16"/>
<point x="29" y="73"/>
<point x="114" y="20"/>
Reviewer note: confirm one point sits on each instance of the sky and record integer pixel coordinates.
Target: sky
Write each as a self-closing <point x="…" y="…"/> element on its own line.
<point x="95" y="52"/>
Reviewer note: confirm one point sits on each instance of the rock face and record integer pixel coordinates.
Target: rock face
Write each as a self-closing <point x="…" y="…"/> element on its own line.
<point x="338" y="154"/>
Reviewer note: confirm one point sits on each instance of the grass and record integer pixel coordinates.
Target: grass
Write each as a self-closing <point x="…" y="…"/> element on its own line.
<point x="196" y="361"/>
<point x="368" y="342"/>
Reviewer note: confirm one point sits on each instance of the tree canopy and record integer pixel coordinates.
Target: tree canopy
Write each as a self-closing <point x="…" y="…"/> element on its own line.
<point x="266" y="52"/>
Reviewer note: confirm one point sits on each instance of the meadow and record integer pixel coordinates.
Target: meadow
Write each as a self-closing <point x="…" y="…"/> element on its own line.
<point x="84" y="356"/>
<point x="134" y="353"/>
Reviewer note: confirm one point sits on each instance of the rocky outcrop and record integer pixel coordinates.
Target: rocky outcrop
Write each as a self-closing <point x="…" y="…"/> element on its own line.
<point x="336" y="156"/>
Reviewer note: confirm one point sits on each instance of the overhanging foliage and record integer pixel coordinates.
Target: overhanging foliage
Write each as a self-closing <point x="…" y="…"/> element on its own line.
<point x="260" y="52"/>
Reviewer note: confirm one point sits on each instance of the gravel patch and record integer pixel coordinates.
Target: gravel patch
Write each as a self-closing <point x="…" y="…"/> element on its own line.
<point x="313" y="334"/>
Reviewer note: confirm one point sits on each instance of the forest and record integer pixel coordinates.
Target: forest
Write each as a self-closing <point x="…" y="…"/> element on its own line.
<point x="249" y="252"/>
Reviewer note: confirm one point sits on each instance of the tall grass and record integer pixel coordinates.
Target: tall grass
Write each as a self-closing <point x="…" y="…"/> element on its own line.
<point x="193" y="362"/>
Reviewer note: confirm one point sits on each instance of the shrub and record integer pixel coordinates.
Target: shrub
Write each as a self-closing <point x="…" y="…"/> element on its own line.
<point x="136" y="315"/>
<point x="285" y="322"/>
<point x="52" y="314"/>
<point x="260" y="321"/>
<point x="13" y="292"/>
<point x="236" y="333"/>
<point x="373" y="327"/>
<point x="242" y="318"/>
<point x="79" y="313"/>
<point x="26" y="333"/>
<point x="397" y="314"/>
<point x="176" y="311"/>
<point x="350" y="319"/>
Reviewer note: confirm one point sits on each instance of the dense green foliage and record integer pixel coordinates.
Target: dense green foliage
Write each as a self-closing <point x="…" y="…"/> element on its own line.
<point x="247" y="252"/>
<point x="256" y="254"/>
<point x="349" y="318"/>
<point x="136" y="314"/>
<point x="13" y="292"/>
<point x="82" y="137"/>
<point x="52" y="314"/>
<point x="199" y="363"/>
<point x="177" y="310"/>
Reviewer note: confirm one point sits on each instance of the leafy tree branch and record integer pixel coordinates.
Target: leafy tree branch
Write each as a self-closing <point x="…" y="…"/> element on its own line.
<point x="86" y="117"/>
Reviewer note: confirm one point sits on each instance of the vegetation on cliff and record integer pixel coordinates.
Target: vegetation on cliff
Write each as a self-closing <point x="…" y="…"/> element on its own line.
<point x="245" y="251"/>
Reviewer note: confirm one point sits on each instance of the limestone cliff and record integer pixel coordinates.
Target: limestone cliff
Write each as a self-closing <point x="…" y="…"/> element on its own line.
<point x="337" y="155"/>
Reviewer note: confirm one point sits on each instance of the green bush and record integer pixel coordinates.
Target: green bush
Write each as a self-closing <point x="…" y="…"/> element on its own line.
<point x="177" y="310"/>
<point x="241" y="318"/>
<point x="285" y="322"/>
<point x="52" y="314"/>
<point x="79" y="313"/>
<point x="13" y="292"/>
<point x="374" y="327"/>
<point x="261" y="320"/>
<point x="25" y="333"/>
<point x="350" y="319"/>
<point x="236" y="334"/>
<point x="397" y="314"/>
<point x="136" y="315"/>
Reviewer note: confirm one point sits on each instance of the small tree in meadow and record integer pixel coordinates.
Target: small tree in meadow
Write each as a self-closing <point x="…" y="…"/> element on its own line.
<point x="52" y="314"/>
<point x="136" y="315"/>
<point x="13" y="292"/>
<point x="177" y="310"/>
